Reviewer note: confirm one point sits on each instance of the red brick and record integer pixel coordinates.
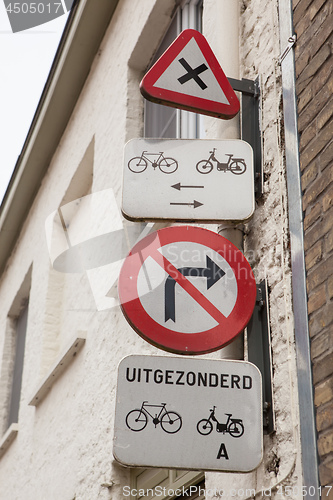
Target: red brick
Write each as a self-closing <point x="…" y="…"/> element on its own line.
<point x="325" y="444"/>
<point x="306" y="30"/>
<point x="297" y="2"/>
<point x="318" y="146"/>
<point x="309" y="175"/>
<point x="330" y="287"/>
<point x="318" y="81"/>
<point x="317" y="299"/>
<point x="308" y="45"/>
<point x="325" y="115"/>
<point x="319" y="101"/>
<point x="326" y="478"/>
<point x="323" y="392"/>
<point x="328" y="198"/>
<point x="321" y="320"/>
<point x="304" y="98"/>
<point x="304" y="78"/>
<point x="312" y="214"/>
<point x="318" y="230"/>
<point x="318" y="186"/>
<point x="313" y="256"/>
<point x="328" y="241"/>
<point x="303" y="23"/>
<point x="299" y="11"/>
<point x="315" y="7"/>
<point x="323" y="369"/>
<point x="320" y="274"/>
<point x="322" y="76"/>
<point x="321" y="344"/>
<point x="307" y="135"/>
<point x="324" y="417"/>
<point x="326" y="156"/>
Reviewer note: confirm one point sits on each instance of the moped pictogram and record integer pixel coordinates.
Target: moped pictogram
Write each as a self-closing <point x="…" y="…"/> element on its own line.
<point x="233" y="426"/>
<point x="235" y="165"/>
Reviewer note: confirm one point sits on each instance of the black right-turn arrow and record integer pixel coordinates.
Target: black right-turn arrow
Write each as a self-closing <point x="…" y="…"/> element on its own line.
<point x="212" y="272"/>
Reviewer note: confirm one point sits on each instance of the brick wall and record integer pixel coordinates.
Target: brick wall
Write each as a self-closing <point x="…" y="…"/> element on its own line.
<point x="64" y="447"/>
<point x="313" y="23"/>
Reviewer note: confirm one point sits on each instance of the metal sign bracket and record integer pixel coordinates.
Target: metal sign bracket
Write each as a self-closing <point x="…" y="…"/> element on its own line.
<point x="259" y="352"/>
<point x="250" y="124"/>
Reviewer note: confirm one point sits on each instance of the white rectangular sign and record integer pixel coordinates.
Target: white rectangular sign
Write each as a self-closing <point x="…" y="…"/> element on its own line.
<point x="187" y="413"/>
<point x="188" y="180"/>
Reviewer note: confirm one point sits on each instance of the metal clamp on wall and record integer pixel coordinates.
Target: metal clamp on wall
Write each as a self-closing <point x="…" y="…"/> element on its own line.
<point x="259" y="352"/>
<point x="250" y="124"/>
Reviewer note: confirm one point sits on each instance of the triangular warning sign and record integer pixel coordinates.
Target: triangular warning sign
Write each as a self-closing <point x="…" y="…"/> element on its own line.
<point x="188" y="76"/>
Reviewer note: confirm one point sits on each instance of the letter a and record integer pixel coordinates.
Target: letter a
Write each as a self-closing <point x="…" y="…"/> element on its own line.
<point x="222" y="452"/>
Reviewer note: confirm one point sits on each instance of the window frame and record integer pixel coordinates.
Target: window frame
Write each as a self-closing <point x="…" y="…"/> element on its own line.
<point x="188" y="125"/>
<point x="21" y="325"/>
<point x="165" y="481"/>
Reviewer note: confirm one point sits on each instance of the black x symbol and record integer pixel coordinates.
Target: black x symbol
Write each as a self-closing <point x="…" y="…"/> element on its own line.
<point x="192" y="73"/>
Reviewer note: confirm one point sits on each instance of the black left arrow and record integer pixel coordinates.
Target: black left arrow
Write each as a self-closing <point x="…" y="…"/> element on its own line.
<point x="180" y="186"/>
<point x="212" y="272"/>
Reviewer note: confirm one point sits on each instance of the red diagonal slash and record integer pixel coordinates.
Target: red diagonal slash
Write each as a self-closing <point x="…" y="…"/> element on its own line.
<point x="155" y="331"/>
<point x="188" y="287"/>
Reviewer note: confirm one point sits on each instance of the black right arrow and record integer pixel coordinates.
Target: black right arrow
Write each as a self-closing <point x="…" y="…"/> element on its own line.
<point x="212" y="272"/>
<point x="195" y="204"/>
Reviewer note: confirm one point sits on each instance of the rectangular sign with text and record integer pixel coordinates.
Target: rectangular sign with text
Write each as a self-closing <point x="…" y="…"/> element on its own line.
<point x="188" y="180"/>
<point x="187" y="413"/>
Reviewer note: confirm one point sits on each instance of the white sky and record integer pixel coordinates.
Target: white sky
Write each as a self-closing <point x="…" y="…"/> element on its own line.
<point x="25" y="61"/>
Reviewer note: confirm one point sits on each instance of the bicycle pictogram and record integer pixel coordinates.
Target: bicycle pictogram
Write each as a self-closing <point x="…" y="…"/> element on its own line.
<point x="137" y="420"/>
<point x="138" y="164"/>
<point x="235" y="165"/>
<point x="233" y="426"/>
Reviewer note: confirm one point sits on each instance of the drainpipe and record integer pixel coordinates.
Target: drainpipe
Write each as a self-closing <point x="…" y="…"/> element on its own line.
<point x="222" y="32"/>
<point x="302" y="338"/>
<point x="235" y="234"/>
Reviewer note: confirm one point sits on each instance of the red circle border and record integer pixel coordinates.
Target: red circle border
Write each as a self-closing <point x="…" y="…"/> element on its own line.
<point x="178" y="342"/>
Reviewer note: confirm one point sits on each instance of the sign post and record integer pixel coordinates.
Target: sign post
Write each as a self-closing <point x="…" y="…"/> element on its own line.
<point x="198" y="414"/>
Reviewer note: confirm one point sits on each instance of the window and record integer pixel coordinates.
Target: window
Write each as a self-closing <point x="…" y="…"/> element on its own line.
<point x="12" y="360"/>
<point x="20" y="330"/>
<point x="196" y="492"/>
<point x="148" y="484"/>
<point x="163" y="121"/>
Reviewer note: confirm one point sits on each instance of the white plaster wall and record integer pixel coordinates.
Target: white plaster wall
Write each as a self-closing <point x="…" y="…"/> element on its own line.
<point x="64" y="446"/>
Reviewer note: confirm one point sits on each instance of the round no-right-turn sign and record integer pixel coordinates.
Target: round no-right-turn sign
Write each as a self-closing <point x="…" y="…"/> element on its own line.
<point x="187" y="290"/>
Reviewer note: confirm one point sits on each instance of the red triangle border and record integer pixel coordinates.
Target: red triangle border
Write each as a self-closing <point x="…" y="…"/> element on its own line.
<point x="185" y="101"/>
